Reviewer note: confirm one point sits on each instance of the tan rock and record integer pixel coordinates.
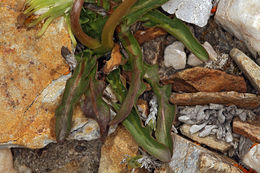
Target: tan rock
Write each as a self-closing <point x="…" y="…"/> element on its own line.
<point x="6" y="161"/>
<point x="242" y="100"/>
<point x="250" y="129"/>
<point x="118" y="146"/>
<point x="210" y="140"/>
<point x="189" y="157"/>
<point x="208" y="160"/>
<point x="248" y="66"/>
<point x="28" y="65"/>
<point x="204" y="79"/>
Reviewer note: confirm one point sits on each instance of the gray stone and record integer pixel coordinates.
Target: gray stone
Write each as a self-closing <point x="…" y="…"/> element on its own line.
<point x="191" y="158"/>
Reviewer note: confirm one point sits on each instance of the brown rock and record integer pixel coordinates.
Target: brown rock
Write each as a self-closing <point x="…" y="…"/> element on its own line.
<point x="250" y="129"/>
<point x="28" y="65"/>
<point x="118" y="146"/>
<point x="242" y="100"/>
<point x="210" y="140"/>
<point x="204" y="79"/>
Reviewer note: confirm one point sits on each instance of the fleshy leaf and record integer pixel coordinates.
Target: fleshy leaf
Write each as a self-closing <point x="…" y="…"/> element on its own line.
<point x="74" y="89"/>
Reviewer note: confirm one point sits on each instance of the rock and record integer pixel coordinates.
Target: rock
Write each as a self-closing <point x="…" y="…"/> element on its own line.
<point x="252" y="158"/>
<point x="117" y="147"/>
<point x="6" y="161"/>
<point x="242" y="18"/>
<point x="194" y="61"/>
<point x="248" y="66"/>
<point x="189" y="157"/>
<point x="204" y="79"/>
<point x="242" y="100"/>
<point x="192" y="11"/>
<point x="210" y="140"/>
<point x="28" y="66"/>
<point x="175" y="56"/>
<point x="250" y="129"/>
<point x="212" y="53"/>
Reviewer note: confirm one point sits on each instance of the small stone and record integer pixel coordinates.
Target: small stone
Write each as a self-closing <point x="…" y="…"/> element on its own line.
<point x="6" y="161"/>
<point x="204" y="79"/>
<point x="194" y="61"/>
<point x="243" y="100"/>
<point x="117" y="147"/>
<point x="210" y="140"/>
<point x="250" y="129"/>
<point x="242" y="18"/>
<point x="192" y="11"/>
<point x="252" y="158"/>
<point x="175" y="56"/>
<point x="212" y="53"/>
<point x="248" y="66"/>
<point x="189" y="157"/>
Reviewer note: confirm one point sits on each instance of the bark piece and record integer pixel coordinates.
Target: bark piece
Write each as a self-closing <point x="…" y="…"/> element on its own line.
<point x="242" y="100"/>
<point x="204" y="79"/>
<point x="250" y="129"/>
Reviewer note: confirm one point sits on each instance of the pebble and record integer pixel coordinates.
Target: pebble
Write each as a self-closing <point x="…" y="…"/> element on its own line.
<point x="248" y="66"/>
<point x="194" y="61"/>
<point x="175" y="56"/>
<point x="212" y="53"/>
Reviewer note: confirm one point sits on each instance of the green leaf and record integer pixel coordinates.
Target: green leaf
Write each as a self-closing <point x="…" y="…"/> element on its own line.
<point x="179" y="30"/>
<point x="74" y="89"/>
<point x="133" y="124"/>
<point x="166" y="111"/>
<point x="142" y="7"/>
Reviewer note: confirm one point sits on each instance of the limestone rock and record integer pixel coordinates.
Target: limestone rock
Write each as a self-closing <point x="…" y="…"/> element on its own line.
<point x="252" y="158"/>
<point x="118" y="146"/>
<point x="188" y="157"/>
<point x="242" y="18"/>
<point x="242" y="100"/>
<point x="247" y="65"/>
<point x="191" y="11"/>
<point x="6" y="161"/>
<point x="175" y="56"/>
<point x="28" y="66"/>
<point x="204" y="79"/>
<point x="250" y="129"/>
<point x="210" y="140"/>
<point x="194" y="61"/>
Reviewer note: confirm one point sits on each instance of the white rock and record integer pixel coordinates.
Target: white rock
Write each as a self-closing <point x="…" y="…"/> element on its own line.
<point x="192" y="11"/>
<point x="175" y="56"/>
<point x="193" y="60"/>
<point x="6" y="161"/>
<point x="252" y="158"/>
<point x="242" y="18"/>
<point x="212" y="53"/>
